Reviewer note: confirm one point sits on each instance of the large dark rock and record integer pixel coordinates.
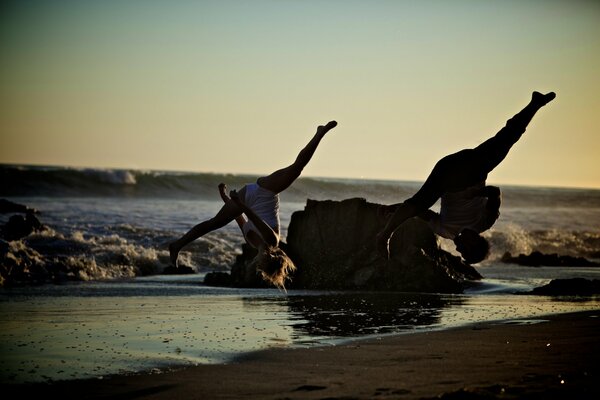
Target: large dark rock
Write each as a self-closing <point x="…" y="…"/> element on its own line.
<point x="332" y="244"/>
<point x="243" y="271"/>
<point x="538" y="259"/>
<point x="7" y="206"/>
<point x="217" y="279"/>
<point x="18" y="226"/>
<point x="569" y="287"/>
<point x="180" y="270"/>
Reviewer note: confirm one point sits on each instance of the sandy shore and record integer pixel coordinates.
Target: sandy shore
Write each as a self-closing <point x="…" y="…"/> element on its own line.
<point x="556" y="358"/>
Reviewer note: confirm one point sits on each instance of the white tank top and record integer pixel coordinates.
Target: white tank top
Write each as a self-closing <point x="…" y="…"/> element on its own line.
<point x="265" y="204"/>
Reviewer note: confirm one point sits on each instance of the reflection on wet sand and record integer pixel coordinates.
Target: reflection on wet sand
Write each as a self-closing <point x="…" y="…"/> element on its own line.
<point x="361" y="313"/>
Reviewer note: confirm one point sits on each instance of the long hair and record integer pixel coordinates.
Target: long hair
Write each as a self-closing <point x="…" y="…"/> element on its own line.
<point x="274" y="266"/>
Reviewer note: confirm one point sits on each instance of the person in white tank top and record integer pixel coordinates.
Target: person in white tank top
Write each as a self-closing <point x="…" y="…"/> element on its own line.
<point x="468" y="206"/>
<point x="256" y="210"/>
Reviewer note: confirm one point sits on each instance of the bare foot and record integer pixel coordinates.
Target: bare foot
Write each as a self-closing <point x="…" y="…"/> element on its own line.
<point x="542" y="99"/>
<point x="223" y="192"/>
<point x="323" y="129"/>
<point x="173" y="254"/>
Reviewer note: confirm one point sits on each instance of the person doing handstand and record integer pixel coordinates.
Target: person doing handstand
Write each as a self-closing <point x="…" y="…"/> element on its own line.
<point x="468" y="207"/>
<point x="260" y="203"/>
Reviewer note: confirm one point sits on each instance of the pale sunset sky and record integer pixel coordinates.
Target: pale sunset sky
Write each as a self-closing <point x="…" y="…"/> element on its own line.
<point x="239" y="86"/>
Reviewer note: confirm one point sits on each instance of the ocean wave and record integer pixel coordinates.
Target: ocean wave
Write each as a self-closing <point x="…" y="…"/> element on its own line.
<point x="114" y="177"/>
<point x="24" y="181"/>
<point x="51" y="256"/>
<point x="517" y="240"/>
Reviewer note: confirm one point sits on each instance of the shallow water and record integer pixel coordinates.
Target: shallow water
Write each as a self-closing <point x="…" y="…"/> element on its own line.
<point x="96" y="329"/>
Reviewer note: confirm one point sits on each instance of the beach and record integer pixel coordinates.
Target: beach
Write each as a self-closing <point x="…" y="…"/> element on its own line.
<point x="551" y="357"/>
<point x="293" y="200"/>
<point x="109" y="324"/>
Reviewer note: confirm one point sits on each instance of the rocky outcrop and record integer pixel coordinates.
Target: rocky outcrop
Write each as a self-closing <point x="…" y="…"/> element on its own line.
<point x="19" y="227"/>
<point x="569" y="287"/>
<point x="537" y="259"/>
<point x="179" y="270"/>
<point x="332" y="244"/>
<point x="7" y="206"/>
<point x="243" y="271"/>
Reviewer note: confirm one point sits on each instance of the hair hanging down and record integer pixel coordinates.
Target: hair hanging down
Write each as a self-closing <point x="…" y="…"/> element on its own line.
<point x="275" y="266"/>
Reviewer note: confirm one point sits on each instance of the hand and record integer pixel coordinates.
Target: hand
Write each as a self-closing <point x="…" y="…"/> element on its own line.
<point x="383" y="245"/>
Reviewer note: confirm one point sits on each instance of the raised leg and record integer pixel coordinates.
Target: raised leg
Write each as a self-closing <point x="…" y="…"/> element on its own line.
<point x="281" y="179"/>
<point x="495" y="149"/>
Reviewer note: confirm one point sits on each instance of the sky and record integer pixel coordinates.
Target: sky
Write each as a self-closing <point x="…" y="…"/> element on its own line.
<point x="230" y="86"/>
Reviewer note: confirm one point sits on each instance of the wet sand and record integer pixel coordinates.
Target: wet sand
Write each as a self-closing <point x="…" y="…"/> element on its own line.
<point x="550" y="357"/>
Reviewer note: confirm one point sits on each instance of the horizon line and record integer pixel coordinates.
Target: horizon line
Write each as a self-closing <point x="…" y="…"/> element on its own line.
<point x="174" y="170"/>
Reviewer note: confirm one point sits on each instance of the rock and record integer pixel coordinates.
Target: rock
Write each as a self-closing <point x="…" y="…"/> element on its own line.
<point x="180" y="270"/>
<point x="243" y="271"/>
<point x="7" y="206"/>
<point x="332" y="244"/>
<point x="569" y="287"/>
<point x="18" y="226"/>
<point x="538" y="259"/>
<point x="217" y="279"/>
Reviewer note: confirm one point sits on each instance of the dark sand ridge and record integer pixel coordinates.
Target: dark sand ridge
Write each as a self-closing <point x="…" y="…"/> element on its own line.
<point x="557" y="358"/>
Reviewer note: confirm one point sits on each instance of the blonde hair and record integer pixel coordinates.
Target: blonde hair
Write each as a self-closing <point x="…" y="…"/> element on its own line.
<point x="274" y="266"/>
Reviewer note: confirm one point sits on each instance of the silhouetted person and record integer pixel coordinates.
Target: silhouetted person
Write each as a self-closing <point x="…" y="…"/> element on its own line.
<point x="468" y="206"/>
<point x="260" y="203"/>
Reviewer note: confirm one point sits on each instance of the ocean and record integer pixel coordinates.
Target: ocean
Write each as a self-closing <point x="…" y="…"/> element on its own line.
<point x="115" y="313"/>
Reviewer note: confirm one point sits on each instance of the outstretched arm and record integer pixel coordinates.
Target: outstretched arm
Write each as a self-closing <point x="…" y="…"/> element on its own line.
<point x="270" y="237"/>
<point x="223" y="192"/>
